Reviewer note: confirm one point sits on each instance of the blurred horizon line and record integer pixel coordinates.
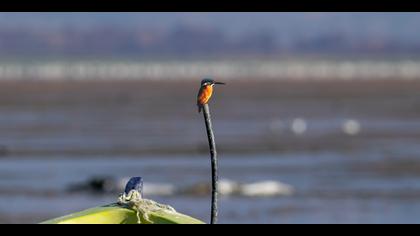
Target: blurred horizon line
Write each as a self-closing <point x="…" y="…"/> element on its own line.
<point x="276" y="69"/>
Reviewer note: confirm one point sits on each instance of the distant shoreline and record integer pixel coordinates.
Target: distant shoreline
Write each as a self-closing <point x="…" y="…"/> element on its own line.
<point x="268" y="69"/>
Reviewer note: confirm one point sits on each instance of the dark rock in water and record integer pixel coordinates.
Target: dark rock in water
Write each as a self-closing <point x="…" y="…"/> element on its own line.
<point x="199" y="189"/>
<point x="4" y="151"/>
<point x="98" y="184"/>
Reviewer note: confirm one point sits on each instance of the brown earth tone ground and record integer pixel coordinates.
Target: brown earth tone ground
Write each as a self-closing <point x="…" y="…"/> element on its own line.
<point x="160" y="116"/>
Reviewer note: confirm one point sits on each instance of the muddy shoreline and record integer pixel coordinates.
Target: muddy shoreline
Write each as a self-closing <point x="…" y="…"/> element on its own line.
<point x="108" y="118"/>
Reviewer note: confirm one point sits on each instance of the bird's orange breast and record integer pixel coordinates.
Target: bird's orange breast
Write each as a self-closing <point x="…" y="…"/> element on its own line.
<point x="205" y="94"/>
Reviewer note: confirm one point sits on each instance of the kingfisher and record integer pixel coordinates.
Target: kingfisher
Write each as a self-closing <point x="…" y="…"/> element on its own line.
<point x="206" y="90"/>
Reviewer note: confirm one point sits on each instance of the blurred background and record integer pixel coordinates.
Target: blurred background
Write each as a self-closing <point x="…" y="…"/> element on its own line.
<point x="319" y="122"/>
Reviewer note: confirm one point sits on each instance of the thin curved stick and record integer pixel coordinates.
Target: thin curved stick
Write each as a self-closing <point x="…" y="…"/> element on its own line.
<point x="214" y="165"/>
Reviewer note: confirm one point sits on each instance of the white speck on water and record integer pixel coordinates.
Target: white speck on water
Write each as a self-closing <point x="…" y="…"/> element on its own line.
<point x="266" y="188"/>
<point x="298" y="126"/>
<point x="351" y="127"/>
<point x="228" y="187"/>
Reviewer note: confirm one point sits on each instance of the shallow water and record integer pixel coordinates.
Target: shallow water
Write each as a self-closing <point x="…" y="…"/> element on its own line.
<point x="329" y="187"/>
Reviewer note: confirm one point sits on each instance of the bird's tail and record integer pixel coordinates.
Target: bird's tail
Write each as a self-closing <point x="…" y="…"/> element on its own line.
<point x="199" y="108"/>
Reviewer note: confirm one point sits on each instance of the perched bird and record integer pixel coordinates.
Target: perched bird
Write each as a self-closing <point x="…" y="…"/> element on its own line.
<point x="206" y="90"/>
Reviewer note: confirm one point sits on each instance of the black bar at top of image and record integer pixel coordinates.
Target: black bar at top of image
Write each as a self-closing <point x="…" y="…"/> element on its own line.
<point x="207" y="5"/>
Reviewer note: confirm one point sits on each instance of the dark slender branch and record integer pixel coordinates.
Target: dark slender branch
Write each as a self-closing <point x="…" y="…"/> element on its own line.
<point x="214" y="166"/>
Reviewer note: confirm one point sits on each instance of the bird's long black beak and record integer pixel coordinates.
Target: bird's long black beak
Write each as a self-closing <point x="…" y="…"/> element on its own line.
<point x="219" y="83"/>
